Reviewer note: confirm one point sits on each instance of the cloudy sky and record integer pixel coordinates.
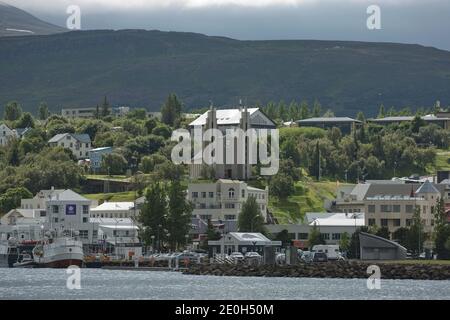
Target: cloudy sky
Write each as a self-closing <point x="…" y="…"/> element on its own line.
<point x="425" y="22"/>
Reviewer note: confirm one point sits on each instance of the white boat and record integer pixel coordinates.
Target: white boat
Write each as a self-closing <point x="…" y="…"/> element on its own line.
<point x="59" y="252"/>
<point x="8" y="252"/>
<point x="25" y="261"/>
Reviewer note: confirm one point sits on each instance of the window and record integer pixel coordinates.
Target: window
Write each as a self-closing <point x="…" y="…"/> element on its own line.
<point x="231" y="193"/>
<point x="229" y="206"/>
<point x="202" y="205"/>
<point x="408" y="222"/>
<point x="396" y="222"/>
<point x="230" y="217"/>
<point x="205" y="217"/>
<point x="43" y="213"/>
<point x="85" y="209"/>
<point x="55" y="220"/>
<point x="371" y="222"/>
<point x="396" y="208"/>
<point x="409" y="208"/>
<point x="243" y="193"/>
<point x="84" y="234"/>
<point x="194" y="194"/>
<point x="211" y="194"/>
<point x="336" y="236"/>
<point x="55" y="209"/>
<point x="372" y="208"/>
<point x="87" y="145"/>
<point x="203" y="194"/>
<point x="384" y="222"/>
<point x="325" y="236"/>
<point x="386" y="208"/>
<point x="95" y="234"/>
<point x="303" y="236"/>
<point x="85" y="220"/>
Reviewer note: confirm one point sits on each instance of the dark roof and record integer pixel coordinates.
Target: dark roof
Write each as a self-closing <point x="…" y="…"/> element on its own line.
<point x="399" y="189"/>
<point x="328" y="119"/>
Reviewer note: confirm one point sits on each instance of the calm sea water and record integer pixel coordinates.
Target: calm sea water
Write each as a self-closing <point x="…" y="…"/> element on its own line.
<point x="113" y="284"/>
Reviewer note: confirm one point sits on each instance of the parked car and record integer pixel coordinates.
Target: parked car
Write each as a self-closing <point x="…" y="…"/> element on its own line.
<point x="280" y="258"/>
<point x="332" y="251"/>
<point x="237" y="256"/>
<point x="319" y="257"/>
<point x="306" y="256"/>
<point x="253" y="258"/>
<point x="253" y="255"/>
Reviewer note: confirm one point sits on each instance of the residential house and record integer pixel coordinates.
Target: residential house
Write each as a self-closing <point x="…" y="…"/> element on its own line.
<point x="345" y="124"/>
<point x="96" y="156"/>
<point x="6" y="134"/>
<point x="441" y="119"/>
<point x="79" y="144"/>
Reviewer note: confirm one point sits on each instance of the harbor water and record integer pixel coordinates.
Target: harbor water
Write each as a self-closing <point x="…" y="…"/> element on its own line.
<point x="120" y="284"/>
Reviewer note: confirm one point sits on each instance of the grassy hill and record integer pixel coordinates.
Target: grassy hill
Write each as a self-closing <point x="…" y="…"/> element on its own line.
<point x="140" y="68"/>
<point x="309" y="197"/>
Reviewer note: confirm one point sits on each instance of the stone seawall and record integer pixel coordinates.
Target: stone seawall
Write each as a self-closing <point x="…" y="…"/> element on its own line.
<point x="341" y="269"/>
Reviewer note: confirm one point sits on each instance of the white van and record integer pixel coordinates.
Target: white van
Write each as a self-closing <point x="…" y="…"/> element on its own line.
<point x="332" y="251"/>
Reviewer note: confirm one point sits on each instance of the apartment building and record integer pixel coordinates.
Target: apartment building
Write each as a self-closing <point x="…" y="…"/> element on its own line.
<point x="392" y="205"/>
<point x="223" y="199"/>
<point x="73" y="113"/>
<point x="79" y="144"/>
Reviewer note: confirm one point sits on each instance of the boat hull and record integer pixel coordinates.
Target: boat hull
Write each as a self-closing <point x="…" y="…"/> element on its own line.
<point x="61" y="261"/>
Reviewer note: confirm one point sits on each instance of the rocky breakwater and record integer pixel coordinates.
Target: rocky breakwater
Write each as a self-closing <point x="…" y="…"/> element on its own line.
<point x="341" y="269"/>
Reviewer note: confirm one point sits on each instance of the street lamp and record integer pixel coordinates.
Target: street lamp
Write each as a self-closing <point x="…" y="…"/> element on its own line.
<point x="153" y="242"/>
<point x="187" y="238"/>
<point x="157" y="234"/>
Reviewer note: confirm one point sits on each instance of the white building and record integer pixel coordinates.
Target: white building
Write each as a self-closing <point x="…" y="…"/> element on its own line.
<point x="79" y="112"/>
<point x="223" y="120"/>
<point x="117" y="210"/>
<point x="330" y="225"/>
<point x="119" y="236"/>
<point x="242" y="242"/>
<point x="6" y="134"/>
<point x="223" y="199"/>
<point x="79" y="144"/>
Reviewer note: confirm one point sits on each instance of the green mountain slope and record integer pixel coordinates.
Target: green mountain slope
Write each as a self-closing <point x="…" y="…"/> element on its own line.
<point x="16" y="22"/>
<point x="140" y="68"/>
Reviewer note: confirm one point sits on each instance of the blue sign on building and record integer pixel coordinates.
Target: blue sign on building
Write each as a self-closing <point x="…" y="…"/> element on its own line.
<point x="71" y="209"/>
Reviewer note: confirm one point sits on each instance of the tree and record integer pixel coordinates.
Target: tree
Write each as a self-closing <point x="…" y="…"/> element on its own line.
<point x="381" y="112"/>
<point x="25" y="121"/>
<point x="113" y="163"/>
<point x="354" y="251"/>
<point x="11" y="198"/>
<point x="153" y="215"/>
<point x="43" y="111"/>
<point x="383" y="232"/>
<point x="304" y="110"/>
<point x="179" y="215"/>
<point x="150" y="124"/>
<point x="171" y="110"/>
<point x="281" y="186"/>
<point x="344" y="242"/>
<point x="284" y="237"/>
<point x="250" y="219"/>
<point x="13" y="155"/>
<point x="416" y="236"/>
<point x="442" y="231"/>
<point x="317" y="109"/>
<point x="148" y="163"/>
<point x="105" y="107"/>
<point x="315" y="237"/>
<point x="13" y="111"/>
<point x="163" y="131"/>
<point x="169" y="171"/>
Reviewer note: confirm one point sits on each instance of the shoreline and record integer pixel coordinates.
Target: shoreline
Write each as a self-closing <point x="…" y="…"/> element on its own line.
<point x="338" y="269"/>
